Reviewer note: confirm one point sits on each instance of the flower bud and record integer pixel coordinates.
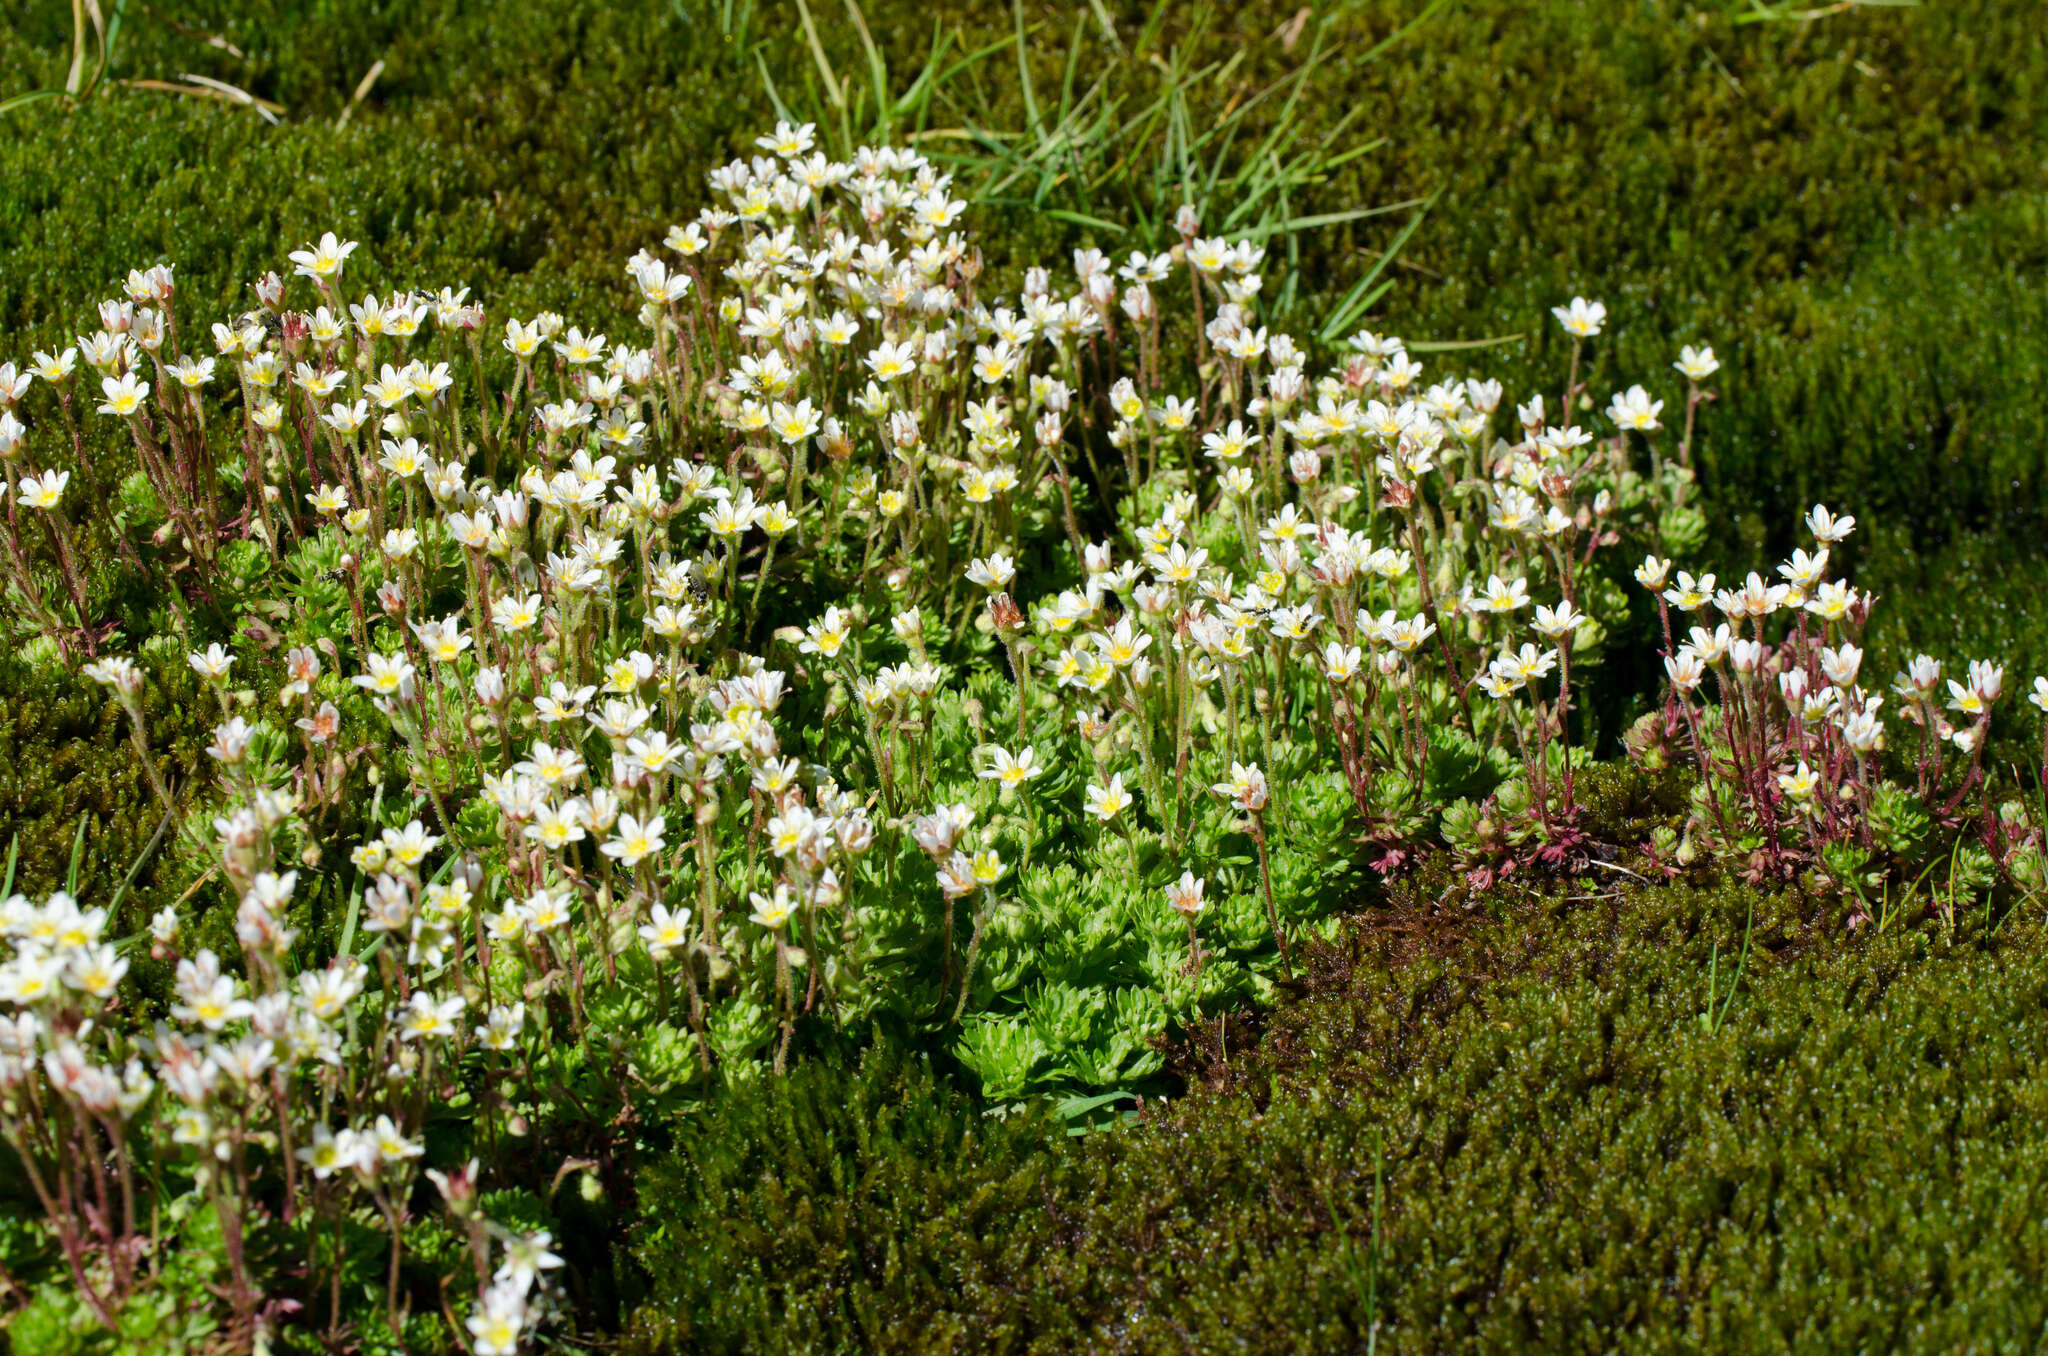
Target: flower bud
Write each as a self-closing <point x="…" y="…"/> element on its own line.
<point x="1004" y="613"/>
<point x="490" y="685"/>
<point x="458" y="1188"/>
<point x="513" y="510"/>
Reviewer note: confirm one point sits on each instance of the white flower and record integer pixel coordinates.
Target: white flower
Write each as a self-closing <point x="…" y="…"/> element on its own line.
<point x="1582" y="319"/>
<point x="1185" y="896"/>
<point x="1246" y="787"/>
<point x="323" y="260"/>
<point x="635" y="840"/>
<point x="993" y="571"/>
<point x="1634" y="410"/>
<point x="1559" y="622"/>
<point x="1340" y="661"/>
<point x="330" y="1152"/>
<point x="429" y="1018"/>
<point x="213" y="663"/>
<point x="45" y="490"/>
<point x="1012" y="770"/>
<point x="664" y="931"/>
<point x="124" y="395"/>
<point x="1826" y="527"/>
<point x="1697" y="363"/>
<point x="773" y="911"/>
<point x="1799" y="785"/>
<point x="1108" y="801"/>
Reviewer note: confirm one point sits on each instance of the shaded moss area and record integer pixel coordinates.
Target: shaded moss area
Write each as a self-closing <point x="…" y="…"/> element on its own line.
<point x="70" y="784"/>
<point x="1567" y="1159"/>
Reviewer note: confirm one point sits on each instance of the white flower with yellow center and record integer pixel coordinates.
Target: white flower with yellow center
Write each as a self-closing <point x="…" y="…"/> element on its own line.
<point x="635" y="840"/>
<point x="323" y="260"/>
<point x="665" y="931"/>
<point x="1107" y="801"/>
<point x="1012" y="770"/>
<point x="124" y="395"/>
<point x="45" y="490"/>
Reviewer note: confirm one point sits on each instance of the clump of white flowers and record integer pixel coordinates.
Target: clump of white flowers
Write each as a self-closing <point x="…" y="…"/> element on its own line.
<point x="679" y="647"/>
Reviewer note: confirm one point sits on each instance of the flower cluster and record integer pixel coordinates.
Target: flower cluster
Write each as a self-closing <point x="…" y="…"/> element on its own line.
<point x="855" y="638"/>
<point x="1792" y="743"/>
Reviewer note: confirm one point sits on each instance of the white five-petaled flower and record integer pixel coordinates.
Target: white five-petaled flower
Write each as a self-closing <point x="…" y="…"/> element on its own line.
<point x="1799" y="784"/>
<point x="1634" y="410"/>
<point x="1108" y="801"/>
<point x="213" y="662"/>
<point x="1697" y="363"/>
<point x="44" y="491"/>
<point x="1559" y="622"/>
<point x="125" y="394"/>
<point x="635" y="840"/>
<point x="1501" y="595"/>
<point x="323" y="260"/>
<point x="773" y="911"/>
<point x="428" y="1017"/>
<point x="665" y="931"/>
<point x="828" y="635"/>
<point x="993" y="571"/>
<point x="1012" y="770"/>
<point x="1245" y="788"/>
<point x="1826" y="527"/>
<point x="1582" y="319"/>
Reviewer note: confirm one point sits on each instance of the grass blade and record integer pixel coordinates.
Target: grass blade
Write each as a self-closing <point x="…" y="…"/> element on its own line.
<point x="832" y="90"/>
<point x="77" y="859"/>
<point x="878" y="71"/>
<point x="77" y="73"/>
<point x="1078" y="219"/>
<point x="1405" y="29"/>
<point x="128" y="881"/>
<point x="34" y="96"/>
<point x="1356" y="302"/>
<point x="768" y="84"/>
<point x="1031" y="116"/>
<point x="1455" y="345"/>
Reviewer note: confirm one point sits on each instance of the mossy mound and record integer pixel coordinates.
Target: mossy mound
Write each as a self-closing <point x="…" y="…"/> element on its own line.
<point x="1842" y="1158"/>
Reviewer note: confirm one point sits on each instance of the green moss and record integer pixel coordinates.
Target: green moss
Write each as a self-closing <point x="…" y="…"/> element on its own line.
<point x="66" y="758"/>
<point x="1570" y="1159"/>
